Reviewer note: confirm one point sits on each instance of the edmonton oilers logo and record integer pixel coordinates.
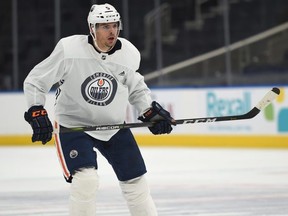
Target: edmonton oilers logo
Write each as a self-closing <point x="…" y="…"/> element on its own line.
<point x="99" y="89"/>
<point x="73" y="154"/>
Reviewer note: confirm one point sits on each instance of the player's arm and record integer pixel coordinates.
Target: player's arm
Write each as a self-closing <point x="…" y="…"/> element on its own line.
<point x="44" y="75"/>
<point x="140" y="98"/>
<point x="36" y="85"/>
<point x="149" y="111"/>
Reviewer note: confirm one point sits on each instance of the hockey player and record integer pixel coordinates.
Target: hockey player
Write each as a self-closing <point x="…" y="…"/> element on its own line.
<point x="97" y="76"/>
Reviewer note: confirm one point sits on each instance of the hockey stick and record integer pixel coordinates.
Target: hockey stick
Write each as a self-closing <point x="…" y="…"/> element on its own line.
<point x="265" y="101"/>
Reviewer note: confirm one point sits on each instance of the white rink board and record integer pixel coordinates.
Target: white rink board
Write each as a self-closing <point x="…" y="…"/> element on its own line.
<point x="182" y="103"/>
<point x="208" y="102"/>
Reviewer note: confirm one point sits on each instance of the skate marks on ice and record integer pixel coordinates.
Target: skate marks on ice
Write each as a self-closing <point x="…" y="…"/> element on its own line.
<point x="202" y="200"/>
<point x="200" y="182"/>
<point x="237" y="200"/>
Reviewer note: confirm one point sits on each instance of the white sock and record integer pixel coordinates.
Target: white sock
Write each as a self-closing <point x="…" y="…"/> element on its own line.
<point x="138" y="197"/>
<point x="83" y="190"/>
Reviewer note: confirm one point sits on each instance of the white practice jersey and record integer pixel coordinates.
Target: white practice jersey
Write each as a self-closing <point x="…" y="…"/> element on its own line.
<point x="95" y="87"/>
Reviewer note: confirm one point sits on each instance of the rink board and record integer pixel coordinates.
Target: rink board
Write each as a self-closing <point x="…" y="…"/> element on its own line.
<point x="180" y="141"/>
<point x="268" y="129"/>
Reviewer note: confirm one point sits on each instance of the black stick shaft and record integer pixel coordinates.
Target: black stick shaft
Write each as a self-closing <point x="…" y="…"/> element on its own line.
<point x="266" y="100"/>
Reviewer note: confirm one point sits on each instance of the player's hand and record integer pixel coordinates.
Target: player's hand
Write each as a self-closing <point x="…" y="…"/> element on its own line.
<point x="161" y="118"/>
<point x="37" y="117"/>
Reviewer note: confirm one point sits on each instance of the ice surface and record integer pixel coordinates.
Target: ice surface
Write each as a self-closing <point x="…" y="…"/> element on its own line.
<point x="183" y="181"/>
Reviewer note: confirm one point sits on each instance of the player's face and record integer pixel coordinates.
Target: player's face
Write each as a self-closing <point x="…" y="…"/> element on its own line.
<point x="106" y="35"/>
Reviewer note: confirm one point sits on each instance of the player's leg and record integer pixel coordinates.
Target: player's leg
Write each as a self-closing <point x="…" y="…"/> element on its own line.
<point x="124" y="155"/>
<point x="83" y="192"/>
<point x="78" y="161"/>
<point x="137" y="194"/>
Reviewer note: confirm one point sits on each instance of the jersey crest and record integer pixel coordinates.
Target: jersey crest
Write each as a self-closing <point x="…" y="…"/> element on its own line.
<point x="99" y="89"/>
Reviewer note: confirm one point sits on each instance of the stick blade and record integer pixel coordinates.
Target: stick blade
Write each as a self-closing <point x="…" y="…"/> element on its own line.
<point x="268" y="98"/>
